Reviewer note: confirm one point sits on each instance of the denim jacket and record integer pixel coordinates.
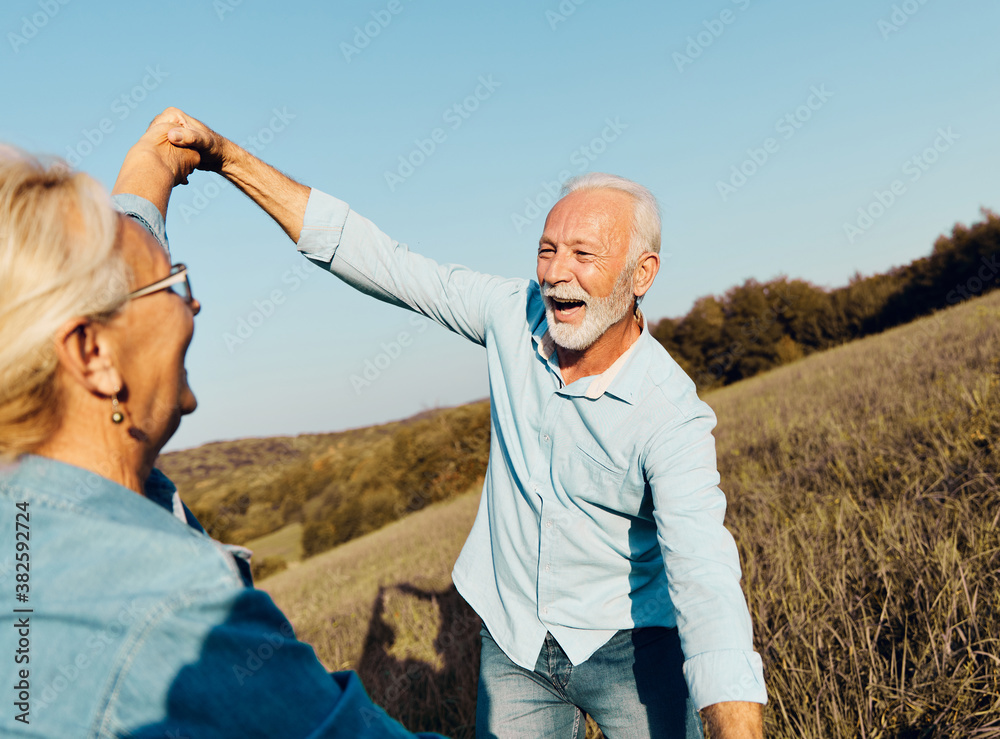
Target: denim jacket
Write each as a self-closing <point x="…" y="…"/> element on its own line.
<point x="141" y="625"/>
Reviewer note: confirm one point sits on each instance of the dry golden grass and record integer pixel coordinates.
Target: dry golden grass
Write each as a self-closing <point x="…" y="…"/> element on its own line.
<point x="863" y="496"/>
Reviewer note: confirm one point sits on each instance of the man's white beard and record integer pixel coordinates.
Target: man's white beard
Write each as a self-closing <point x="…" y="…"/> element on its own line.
<point x="599" y="314"/>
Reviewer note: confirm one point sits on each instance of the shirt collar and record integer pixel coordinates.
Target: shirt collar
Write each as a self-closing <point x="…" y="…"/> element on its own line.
<point x="627" y="386"/>
<point x="600" y="384"/>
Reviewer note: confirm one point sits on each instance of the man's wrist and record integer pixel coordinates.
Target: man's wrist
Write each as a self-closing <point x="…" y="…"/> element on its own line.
<point x="234" y="160"/>
<point x="735" y="720"/>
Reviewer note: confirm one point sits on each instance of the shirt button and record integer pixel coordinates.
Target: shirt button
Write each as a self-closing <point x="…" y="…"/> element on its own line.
<point x="546" y="437"/>
<point x="548" y="567"/>
<point x="548" y="524"/>
<point x="545" y="610"/>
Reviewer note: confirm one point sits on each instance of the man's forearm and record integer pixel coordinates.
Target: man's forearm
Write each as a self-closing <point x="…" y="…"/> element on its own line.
<point x="280" y="196"/>
<point x="735" y="720"/>
<point x="276" y="193"/>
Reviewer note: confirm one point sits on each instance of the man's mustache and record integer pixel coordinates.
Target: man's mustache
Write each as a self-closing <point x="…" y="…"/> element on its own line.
<point x="566" y="292"/>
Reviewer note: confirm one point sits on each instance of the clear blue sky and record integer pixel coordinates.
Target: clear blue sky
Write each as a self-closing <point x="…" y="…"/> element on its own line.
<point x="680" y="92"/>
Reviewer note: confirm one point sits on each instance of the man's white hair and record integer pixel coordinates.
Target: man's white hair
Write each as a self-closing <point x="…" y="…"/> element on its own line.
<point x="645" y="215"/>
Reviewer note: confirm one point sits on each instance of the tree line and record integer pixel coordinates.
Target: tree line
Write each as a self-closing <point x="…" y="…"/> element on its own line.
<point x="759" y="325"/>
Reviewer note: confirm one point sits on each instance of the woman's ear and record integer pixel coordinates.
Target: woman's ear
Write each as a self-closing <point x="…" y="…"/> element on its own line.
<point x="84" y="350"/>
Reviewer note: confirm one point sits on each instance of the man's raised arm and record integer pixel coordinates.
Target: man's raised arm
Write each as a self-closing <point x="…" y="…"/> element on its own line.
<point x="280" y="196"/>
<point x="368" y="259"/>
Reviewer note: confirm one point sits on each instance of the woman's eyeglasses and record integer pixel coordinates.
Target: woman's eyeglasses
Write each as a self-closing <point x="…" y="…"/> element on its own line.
<point x="177" y="281"/>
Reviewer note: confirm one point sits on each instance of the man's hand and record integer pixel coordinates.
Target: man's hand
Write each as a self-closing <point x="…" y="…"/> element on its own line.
<point x="153" y="166"/>
<point x="192" y="135"/>
<point x="280" y="196"/>
<point x="734" y="720"/>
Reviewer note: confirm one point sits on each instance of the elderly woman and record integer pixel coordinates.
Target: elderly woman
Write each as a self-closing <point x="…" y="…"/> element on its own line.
<point x="129" y="619"/>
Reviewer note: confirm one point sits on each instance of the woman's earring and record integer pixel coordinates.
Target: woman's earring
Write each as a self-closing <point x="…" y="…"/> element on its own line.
<point x="116" y="414"/>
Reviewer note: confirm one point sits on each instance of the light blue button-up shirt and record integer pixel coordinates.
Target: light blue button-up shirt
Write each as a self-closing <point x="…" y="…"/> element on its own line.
<point x="601" y="508"/>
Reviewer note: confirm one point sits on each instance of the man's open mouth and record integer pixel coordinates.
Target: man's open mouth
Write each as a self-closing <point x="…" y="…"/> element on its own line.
<point x="566" y="308"/>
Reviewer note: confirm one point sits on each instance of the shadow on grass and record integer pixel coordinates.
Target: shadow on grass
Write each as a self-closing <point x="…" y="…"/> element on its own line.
<point x="421" y="695"/>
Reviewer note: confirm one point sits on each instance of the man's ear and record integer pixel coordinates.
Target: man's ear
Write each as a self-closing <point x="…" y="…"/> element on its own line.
<point x="645" y="272"/>
<point x="83" y="347"/>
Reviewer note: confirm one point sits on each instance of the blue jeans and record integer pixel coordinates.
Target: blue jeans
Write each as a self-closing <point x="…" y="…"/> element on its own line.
<point x="632" y="687"/>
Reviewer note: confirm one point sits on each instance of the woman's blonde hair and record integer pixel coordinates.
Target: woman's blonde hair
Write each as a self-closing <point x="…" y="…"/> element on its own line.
<point x="58" y="260"/>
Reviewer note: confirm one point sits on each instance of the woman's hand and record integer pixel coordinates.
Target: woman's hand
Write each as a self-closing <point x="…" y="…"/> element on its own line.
<point x="153" y="166"/>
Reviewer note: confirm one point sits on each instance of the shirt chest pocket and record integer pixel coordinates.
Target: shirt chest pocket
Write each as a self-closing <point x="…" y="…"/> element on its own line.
<point x="594" y="477"/>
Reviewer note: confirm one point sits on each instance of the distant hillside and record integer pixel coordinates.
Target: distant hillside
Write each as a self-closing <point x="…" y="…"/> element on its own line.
<point x="332" y="487"/>
<point x="863" y="496"/>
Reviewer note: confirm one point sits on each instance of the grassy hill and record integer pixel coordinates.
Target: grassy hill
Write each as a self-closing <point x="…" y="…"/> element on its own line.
<point x="863" y="496"/>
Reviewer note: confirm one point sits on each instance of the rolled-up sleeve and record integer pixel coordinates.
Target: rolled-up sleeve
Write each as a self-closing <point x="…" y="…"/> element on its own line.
<point x="147" y="214"/>
<point x="358" y="252"/>
<point x="702" y="565"/>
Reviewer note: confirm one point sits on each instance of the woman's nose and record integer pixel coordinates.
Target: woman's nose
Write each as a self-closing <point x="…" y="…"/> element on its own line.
<point x="195" y="306"/>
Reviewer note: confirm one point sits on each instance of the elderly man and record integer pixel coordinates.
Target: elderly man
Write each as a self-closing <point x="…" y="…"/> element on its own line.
<point x="598" y="561"/>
